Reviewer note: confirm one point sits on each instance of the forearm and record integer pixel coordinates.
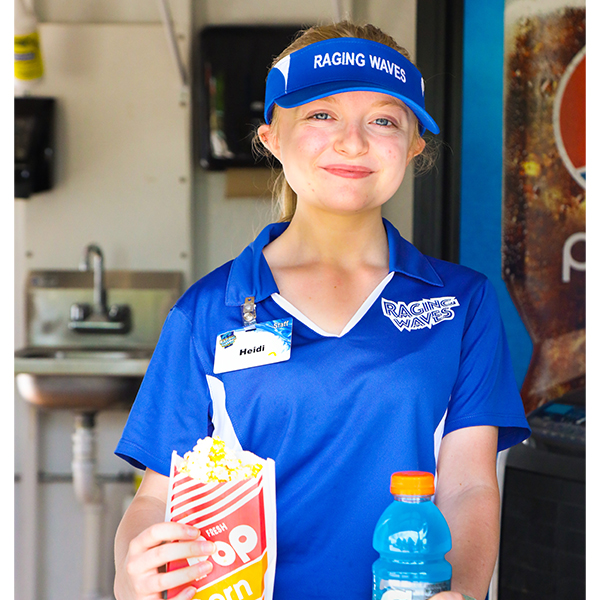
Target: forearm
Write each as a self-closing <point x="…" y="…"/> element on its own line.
<point x="143" y="512"/>
<point x="467" y="494"/>
<point x="473" y="518"/>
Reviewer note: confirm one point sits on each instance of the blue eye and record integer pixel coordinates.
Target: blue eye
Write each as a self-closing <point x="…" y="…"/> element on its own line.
<point x="321" y="116"/>
<point x="383" y="121"/>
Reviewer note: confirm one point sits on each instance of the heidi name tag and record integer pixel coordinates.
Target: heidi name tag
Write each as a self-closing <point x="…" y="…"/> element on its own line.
<point x="266" y="343"/>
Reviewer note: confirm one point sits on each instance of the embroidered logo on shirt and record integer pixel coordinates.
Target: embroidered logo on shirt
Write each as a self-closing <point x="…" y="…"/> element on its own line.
<point x="419" y="314"/>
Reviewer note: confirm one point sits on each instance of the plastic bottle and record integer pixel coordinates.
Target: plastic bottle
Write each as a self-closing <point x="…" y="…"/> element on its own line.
<point x="412" y="538"/>
<point x="29" y="68"/>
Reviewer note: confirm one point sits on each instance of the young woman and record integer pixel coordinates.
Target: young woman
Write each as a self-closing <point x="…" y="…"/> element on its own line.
<point x="398" y="361"/>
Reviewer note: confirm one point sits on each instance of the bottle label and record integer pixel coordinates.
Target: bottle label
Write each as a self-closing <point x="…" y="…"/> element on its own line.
<point x="28" y="59"/>
<point x="410" y="590"/>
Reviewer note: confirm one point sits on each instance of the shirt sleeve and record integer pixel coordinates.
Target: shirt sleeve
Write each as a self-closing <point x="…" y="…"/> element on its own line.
<point x="485" y="392"/>
<point x="171" y="410"/>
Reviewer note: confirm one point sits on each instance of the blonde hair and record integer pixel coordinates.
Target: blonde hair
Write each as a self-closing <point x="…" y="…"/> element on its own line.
<point x="283" y="194"/>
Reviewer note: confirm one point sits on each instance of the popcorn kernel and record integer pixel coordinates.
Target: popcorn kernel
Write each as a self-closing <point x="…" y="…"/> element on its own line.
<point x="211" y="461"/>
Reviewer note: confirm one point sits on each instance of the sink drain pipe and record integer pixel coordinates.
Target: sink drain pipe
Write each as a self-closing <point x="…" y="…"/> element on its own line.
<point x="89" y="493"/>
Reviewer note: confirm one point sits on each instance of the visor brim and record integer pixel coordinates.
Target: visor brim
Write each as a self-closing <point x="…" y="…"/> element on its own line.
<point x="322" y="90"/>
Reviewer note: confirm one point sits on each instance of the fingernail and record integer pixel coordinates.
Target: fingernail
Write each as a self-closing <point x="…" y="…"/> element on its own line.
<point x="204" y="568"/>
<point x="202" y="548"/>
<point x="192" y="532"/>
<point x="208" y="548"/>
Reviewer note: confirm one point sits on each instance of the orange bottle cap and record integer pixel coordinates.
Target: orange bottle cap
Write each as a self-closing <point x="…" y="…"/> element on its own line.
<point x="412" y="483"/>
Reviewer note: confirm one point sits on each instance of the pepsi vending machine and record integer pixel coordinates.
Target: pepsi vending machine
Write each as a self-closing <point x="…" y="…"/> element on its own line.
<point x="542" y="551"/>
<point x="523" y="223"/>
<point x="543" y="227"/>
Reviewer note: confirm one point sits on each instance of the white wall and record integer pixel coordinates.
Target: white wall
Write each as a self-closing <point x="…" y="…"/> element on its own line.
<point x="126" y="181"/>
<point x="123" y="180"/>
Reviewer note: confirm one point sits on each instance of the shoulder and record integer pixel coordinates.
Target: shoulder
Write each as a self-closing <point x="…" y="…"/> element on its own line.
<point x="455" y="274"/>
<point x="408" y="261"/>
<point x="205" y="295"/>
<point x="472" y="290"/>
<point x="462" y="281"/>
<point x="193" y="323"/>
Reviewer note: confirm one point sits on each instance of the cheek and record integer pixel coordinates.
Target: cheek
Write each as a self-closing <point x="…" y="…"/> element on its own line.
<point x="312" y="144"/>
<point x="395" y="156"/>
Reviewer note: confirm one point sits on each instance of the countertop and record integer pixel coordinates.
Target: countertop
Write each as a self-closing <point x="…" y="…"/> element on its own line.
<point x="74" y="362"/>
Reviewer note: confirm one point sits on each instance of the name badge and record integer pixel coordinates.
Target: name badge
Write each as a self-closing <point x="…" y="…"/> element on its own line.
<point x="264" y="344"/>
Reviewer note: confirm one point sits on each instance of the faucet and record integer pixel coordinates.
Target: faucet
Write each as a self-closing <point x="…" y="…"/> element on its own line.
<point x="98" y="318"/>
<point x="100" y="307"/>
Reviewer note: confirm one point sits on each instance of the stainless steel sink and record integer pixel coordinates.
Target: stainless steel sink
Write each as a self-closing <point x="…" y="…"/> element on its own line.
<point x="80" y="378"/>
<point x="98" y="368"/>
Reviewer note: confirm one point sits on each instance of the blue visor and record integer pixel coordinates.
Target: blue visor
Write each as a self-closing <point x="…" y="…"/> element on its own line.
<point x="346" y="65"/>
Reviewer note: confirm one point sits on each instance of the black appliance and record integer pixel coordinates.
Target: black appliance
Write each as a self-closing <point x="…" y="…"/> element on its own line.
<point x="233" y="66"/>
<point x="34" y="145"/>
<point x="542" y="542"/>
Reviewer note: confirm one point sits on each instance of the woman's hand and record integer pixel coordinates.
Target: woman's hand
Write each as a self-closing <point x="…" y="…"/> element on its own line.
<point x="145" y="543"/>
<point x="142" y="577"/>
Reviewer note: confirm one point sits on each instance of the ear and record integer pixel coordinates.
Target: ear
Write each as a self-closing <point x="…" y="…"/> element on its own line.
<point x="269" y="139"/>
<point x="417" y="147"/>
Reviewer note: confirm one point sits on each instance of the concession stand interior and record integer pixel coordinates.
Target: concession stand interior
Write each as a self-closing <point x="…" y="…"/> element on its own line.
<point x="134" y="177"/>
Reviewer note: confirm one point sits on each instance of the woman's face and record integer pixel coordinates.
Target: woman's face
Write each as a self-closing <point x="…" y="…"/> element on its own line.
<point x="346" y="153"/>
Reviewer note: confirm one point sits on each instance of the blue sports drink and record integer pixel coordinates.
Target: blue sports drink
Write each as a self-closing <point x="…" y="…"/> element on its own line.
<point x="412" y="538"/>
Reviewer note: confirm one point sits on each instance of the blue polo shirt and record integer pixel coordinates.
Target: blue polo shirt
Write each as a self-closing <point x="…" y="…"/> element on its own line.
<point x="425" y="355"/>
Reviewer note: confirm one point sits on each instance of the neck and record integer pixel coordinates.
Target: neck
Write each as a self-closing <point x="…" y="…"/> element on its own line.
<point x="343" y="240"/>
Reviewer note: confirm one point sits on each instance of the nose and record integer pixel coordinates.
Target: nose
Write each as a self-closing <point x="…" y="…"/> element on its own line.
<point x="352" y="140"/>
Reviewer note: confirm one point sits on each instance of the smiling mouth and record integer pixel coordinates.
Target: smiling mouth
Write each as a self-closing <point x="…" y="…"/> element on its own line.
<point x="348" y="171"/>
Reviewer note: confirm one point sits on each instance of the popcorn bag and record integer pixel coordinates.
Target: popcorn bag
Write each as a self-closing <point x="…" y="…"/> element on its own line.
<point x="230" y="497"/>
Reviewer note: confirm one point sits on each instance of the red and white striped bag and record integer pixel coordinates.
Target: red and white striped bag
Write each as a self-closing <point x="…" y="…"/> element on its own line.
<point x="240" y="518"/>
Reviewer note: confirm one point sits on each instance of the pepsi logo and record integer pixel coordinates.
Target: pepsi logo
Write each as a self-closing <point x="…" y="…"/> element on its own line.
<point x="569" y="118"/>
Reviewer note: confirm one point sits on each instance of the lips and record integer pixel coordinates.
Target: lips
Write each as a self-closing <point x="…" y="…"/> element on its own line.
<point x="348" y="171"/>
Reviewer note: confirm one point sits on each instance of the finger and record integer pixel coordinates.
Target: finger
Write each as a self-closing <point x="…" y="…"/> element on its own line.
<point x="160" y="533"/>
<point x="186" y="594"/>
<point x="151" y="584"/>
<point x="169" y="552"/>
<point x="179" y="577"/>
